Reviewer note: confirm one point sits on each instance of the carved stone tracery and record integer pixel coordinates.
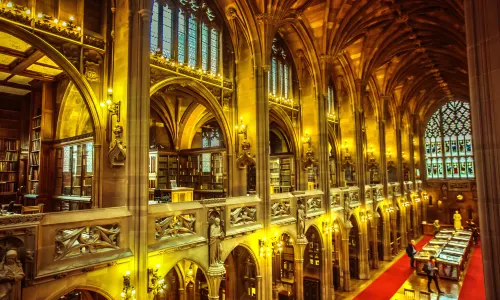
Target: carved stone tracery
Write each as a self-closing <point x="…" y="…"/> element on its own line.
<point x="175" y="226"/>
<point x="243" y="215"/>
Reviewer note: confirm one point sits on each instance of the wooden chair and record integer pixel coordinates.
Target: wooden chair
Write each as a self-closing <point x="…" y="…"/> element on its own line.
<point x="425" y="295"/>
<point x="38" y="209"/>
<point x="409" y="294"/>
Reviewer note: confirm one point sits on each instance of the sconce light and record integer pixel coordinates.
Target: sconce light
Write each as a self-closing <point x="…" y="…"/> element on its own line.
<point x="306" y="139"/>
<point x="326" y="227"/>
<point x="406" y="204"/>
<point x="389" y="209"/>
<point x="156" y="284"/>
<point x="362" y="216"/>
<point x="190" y="270"/>
<point x="417" y="199"/>
<point x="274" y="247"/>
<point x="370" y="150"/>
<point x="346" y="148"/>
<point x="113" y="107"/>
<point x="460" y="197"/>
<point x="242" y="128"/>
<point x="424" y="194"/>
<point x="336" y="227"/>
<point x="389" y="153"/>
<point x="128" y="291"/>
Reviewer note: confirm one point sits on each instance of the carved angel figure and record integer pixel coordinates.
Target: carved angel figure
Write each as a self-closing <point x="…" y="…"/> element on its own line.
<point x="11" y="274"/>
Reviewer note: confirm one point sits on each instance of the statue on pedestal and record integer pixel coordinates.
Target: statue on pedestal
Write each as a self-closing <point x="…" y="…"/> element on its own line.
<point x="457" y="221"/>
<point x="216" y="237"/>
<point x="11" y="274"/>
<point x="301" y="220"/>
<point x="436" y="226"/>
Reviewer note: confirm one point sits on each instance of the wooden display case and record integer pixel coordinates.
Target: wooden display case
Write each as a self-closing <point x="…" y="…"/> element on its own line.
<point x="9" y="166"/>
<point x="34" y="155"/>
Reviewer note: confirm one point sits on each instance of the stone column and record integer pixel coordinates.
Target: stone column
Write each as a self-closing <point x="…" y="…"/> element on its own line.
<point x="214" y="277"/>
<point x="182" y="293"/>
<point x="364" y="265"/>
<point x="402" y="223"/>
<point x="258" y="287"/>
<point x="299" y="268"/>
<point x="137" y="137"/>
<point x="386" y="237"/>
<point x="346" y="273"/>
<point x="483" y="45"/>
<point x="328" y="267"/>
<point x="383" y="148"/>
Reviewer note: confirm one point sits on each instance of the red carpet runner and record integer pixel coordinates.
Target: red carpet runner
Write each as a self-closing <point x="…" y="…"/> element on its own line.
<point x="387" y="284"/>
<point x="473" y="286"/>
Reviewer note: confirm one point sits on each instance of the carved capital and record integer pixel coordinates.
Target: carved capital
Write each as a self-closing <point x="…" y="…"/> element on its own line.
<point x="117" y="149"/>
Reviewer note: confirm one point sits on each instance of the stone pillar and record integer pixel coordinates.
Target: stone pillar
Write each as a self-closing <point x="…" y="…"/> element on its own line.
<point x="483" y="46"/>
<point x="386" y="237"/>
<point x="364" y="265"/>
<point x="383" y="148"/>
<point x="182" y="293"/>
<point x="402" y="220"/>
<point x="328" y="267"/>
<point x="215" y="276"/>
<point x="346" y="274"/>
<point x="137" y="137"/>
<point x="299" y="268"/>
<point x="258" y="287"/>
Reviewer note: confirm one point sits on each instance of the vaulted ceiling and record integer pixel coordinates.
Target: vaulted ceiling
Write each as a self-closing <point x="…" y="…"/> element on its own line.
<point x="415" y="50"/>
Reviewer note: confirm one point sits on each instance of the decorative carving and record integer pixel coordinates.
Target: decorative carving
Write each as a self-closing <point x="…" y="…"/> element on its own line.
<point x="92" y="71"/>
<point x="86" y="240"/>
<point x="280" y="209"/>
<point x="11" y="274"/>
<point x="93" y="41"/>
<point x="117" y="150"/>
<point x="444" y="191"/>
<point x="243" y="215"/>
<point x="354" y="197"/>
<point x="335" y="199"/>
<point x="309" y="161"/>
<point x="16" y="219"/>
<point x="175" y="226"/>
<point x="216" y="234"/>
<point x="379" y="193"/>
<point x="301" y="220"/>
<point x="245" y="158"/>
<point x="313" y="204"/>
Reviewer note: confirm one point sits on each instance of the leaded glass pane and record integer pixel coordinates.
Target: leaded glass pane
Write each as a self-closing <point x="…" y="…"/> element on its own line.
<point x="285" y="86"/>
<point x="214" y="51"/>
<point x="281" y="77"/>
<point x="455" y="168"/>
<point x="440" y="168"/>
<point x="181" y="45"/>
<point x="154" y="28"/>
<point x="274" y="76"/>
<point x="204" y="47"/>
<point x="167" y="32"/>
<point x="89" y="151"/>
<point x="449" y="168"/>
<point x="193" y="41"/>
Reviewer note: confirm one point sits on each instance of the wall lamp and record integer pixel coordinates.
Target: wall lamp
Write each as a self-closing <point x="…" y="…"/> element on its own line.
<point x="389" y="209"/>
<point x="128" y="291"/>
<point x="406" y="204"/>
<point x="389" y="153"/>
<point x="306" y="139"/>
<point x="113" y="107"/>
<point x="266" y="248"/>
<point x="156" y="284"/>
<point x="346" y="148"/>
<point x="241" y="128"/>
<point x="370" y="150"/>
<point x="330" y="228"/>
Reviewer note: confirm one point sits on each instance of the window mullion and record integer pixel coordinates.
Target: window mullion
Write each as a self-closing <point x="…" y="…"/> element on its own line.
<point x="175" y="33"/>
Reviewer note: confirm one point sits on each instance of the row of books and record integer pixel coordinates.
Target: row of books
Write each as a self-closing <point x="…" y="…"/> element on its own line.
<point x="35" y="145"/>
<point x="34" y="174"/>
<point x="37" y="121"/>
<point x="9" y="145"/>
<point x="34" y="159"/>
<point x="6" y="155"/>
<point x="7" y="176"/>
<point x="6" y="187"/>
<point x="8" y="166"/>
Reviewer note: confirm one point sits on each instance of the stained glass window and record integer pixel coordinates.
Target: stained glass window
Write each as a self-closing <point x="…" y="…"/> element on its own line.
<point x="274" y="76"/>
<point x="211" y="136"/>
<point x="214" y="51"/>
<point x="154" y="27"/>
<point x="66" y="158"/>
<point x="286" y="83"/>
<point x="204" y="47"/>
<point x="193" y="37"/>
<point x="448" y="136"/>
<point x="89" y="150"/>
<point x="167" y="32"/>
<point x="181" y="43"/>
<point x="280" y="76"/>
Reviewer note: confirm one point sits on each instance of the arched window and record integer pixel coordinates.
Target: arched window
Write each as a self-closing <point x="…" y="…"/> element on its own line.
<point x="186" y="32"/>
<point x="330" y="102"/>
<point x="280" y="77"/>
<point x="448" y="139"/>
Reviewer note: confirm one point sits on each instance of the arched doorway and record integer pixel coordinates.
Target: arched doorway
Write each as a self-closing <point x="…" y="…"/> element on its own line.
<point x="189" y="141"/>
<point x="336" y="253"/>
<point x="44" y="93"/>
<point x="313" y="265"/>
<point x="380" y="234"/>
<point x="354" y="248"/>
<point x="371" y="242"/>
<point x="282" y="158"/>
<point x="83" y="294"/>
<point x="186" y="280"/>
<point x="241" y="272"/>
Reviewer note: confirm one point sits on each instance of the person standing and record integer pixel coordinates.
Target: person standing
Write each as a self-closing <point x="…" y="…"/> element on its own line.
<point x="411" y="251"/>
<point x="431" y="270"/>
<point x="436" y="227"/>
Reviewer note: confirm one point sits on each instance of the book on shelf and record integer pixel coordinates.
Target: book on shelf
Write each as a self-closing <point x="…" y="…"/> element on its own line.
<point x="9" y="145"/>
<point x="7" y="187"/>
<point x="8" y="166"/>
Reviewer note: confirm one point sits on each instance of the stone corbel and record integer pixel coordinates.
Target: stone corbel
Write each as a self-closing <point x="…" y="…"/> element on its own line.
<point x="117" y="150"/>
<point x="245" y="158"/>
<point x="309" y="160"/>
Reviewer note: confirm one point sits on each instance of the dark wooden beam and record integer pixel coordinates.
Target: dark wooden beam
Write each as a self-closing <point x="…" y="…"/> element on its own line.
<point x="15" y="85"/>
<point x="24" y="64"/>
<point x="12" y="52"/>
<point x="30" y="74"/>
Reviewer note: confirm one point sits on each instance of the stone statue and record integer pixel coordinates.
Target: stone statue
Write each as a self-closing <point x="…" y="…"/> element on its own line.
<point x="444" y="191"/>
<point x="436" y="226"/>
<point x="11" y="274"/>
<point x="301" y="220"/>
<point x="216" y="237"/>
<point x="457" y="221"/>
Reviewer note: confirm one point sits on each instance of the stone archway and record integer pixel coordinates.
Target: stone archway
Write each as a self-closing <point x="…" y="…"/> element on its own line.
<point x="314" y="267"/>
<point x="242" y="275"/>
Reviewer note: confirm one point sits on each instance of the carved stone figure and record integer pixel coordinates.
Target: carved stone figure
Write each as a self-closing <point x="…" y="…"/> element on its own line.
<point x="216" y="237"/>
<point x="301" y="220"/>
<point x="457" y="221"/>
<point x="444" y="191"/>
<point x="11" y="274"/>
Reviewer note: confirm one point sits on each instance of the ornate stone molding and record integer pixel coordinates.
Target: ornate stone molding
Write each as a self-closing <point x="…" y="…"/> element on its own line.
<point x="280" y="209"/>
<point x="86" y="240"/>
<point x="17" y="219"/>
<point x="174" y="226"/>
<point x="117" y="150"/>
<point x="309" y="160"/>
<point x="243" y="215"/>
<point x="245" y="158"/>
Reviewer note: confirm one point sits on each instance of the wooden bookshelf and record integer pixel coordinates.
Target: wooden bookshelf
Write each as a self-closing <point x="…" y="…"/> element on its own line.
<point x="163" y="167"/>
<point x="34" y="155"/>
<point x="282" y="173"/>
<point x="9" y="165"/>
